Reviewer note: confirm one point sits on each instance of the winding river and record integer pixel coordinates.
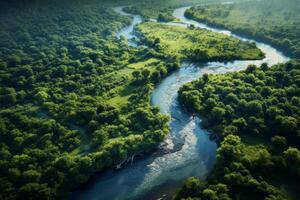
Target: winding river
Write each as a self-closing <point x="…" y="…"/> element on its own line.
<point x="158" y="176"/>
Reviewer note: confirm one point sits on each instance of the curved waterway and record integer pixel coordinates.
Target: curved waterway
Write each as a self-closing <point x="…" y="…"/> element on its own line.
<point x="159" y="175"/>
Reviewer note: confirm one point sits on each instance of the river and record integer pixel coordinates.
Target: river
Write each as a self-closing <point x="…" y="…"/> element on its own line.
<point x="160" y="175"/>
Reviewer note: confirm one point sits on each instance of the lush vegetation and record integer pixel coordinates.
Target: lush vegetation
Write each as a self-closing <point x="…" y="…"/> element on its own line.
<point x="195" y="44"/>
<point x="160" y="9"/>
<point x="255" y="114"/>
<point x="274" y="21"/>
<point x="74" y="98"/>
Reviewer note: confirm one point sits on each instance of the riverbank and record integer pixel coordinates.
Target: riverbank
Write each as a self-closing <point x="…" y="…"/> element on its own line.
<point x="272" y="22"/>
<point x="198" y="45"/>
<point x="197" y="155"/>
<point x="240" y="107"/>
<point x="245" y="33"/>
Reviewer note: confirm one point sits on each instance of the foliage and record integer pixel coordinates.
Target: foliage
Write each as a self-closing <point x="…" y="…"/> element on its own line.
<point x="258" y="102"/>
<point x="165" y="17"/>
<point x="196" y="44"/>
<point x="76" y="100"/>
<point x="195" y="188"/>
<point x="274" y="21"/>
<point x="152" y="9"/>
<point x="64" y="77"/>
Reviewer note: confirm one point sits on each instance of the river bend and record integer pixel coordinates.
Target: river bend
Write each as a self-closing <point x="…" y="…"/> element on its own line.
<point x="158" y="176"/>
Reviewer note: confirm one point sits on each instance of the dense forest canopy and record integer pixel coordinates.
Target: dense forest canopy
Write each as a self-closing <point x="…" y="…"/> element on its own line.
<point x="274" y="21"/>
<point x="63" y="73"/>
<point x="75" y="99"/>
<point x="255" y="113"/>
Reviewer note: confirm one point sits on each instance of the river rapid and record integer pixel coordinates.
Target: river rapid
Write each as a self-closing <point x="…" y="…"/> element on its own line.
<point x="158" y="176"/>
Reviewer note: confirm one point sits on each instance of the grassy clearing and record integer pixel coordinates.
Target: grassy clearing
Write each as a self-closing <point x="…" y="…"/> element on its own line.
<point x="153" y="8"/>
<point x="198" y="44"/>
<point x="121" y="99"/>
<point x="122" y="93"/>
<point x="143" y="64"/>
<point x="274" y="21"/>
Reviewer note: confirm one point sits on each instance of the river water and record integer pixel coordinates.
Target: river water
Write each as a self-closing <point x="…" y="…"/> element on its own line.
<point x="158" y="176"/>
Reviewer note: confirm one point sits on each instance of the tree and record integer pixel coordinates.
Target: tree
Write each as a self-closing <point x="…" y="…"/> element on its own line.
<point x="99" y="138"/>
<point x="192" y="188"/>
<point x="240" y="123"/>
<point x="200" y="54"/>
<point x="35" y="190"/>
<point x="251" y="69"/>
<point x="254" y="108"/>
<point x="292" y="158"/>
<point x="264" y="66"/>
<point x="14" y="60"/>
<point x="209" y="194"/>
<point x="231" y="98"/>
<point x="230" y="149"/>
<point x="9" y="97"/>
<point x="145" y="73"/>
<point x="279" y="142"/>
<point x="41" y="96"/>
<point x="31" y="176"/>
<point x="164" y="17"/>
<point x="155" y="77"/>
<point x="205" y="78"/>
<point x="217" y="115"/>
<point x="287" y="124"/>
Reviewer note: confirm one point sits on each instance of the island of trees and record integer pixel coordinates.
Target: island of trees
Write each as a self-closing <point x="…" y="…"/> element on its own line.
<point x="196" y="44"/>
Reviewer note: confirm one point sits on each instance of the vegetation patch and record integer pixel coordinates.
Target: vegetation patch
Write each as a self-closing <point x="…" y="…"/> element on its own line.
<point x="157" y="9"/>
<point x="273" y="21"/>
<point x="196" y="44"/>
<point x="74" y="98"/>
<point x="261" y="106"/>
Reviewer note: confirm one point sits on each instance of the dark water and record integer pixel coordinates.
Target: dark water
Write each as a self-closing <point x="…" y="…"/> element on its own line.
<point x="158" y="176"/>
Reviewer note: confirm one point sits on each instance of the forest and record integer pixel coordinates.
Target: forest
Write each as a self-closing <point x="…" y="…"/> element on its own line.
<point x="75" y="99"/>
<point x="255" y="116"/>
<point x="78" y="104"/>
<point x="273" y="21"/>
<point x="196" y="44"/>
<point x="61" y="116"/>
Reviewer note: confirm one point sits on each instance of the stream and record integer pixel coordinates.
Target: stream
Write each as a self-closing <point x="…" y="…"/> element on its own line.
<point x="159" y="176"/>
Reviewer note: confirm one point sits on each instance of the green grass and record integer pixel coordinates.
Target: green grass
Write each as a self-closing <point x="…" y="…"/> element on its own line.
<point x="143" y="64"/>
<point x="152" y="8"/>
<point x="122" y="93"/>
<point x="184" y="42"/>
<point x="128" y="69"/>
<point x="274" y="21"/>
